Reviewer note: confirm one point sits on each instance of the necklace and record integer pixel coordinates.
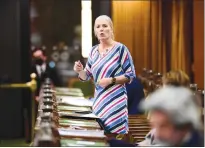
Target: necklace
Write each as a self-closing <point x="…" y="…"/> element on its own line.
<point x="102" y="54"/>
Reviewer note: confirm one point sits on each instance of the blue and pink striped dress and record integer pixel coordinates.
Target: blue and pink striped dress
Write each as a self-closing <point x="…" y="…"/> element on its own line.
<point x="110" y="103"/>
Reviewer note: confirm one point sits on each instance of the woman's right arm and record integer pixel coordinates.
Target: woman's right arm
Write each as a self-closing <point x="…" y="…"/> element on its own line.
<point x="78" y="68"/>
<point x="84" y="74"/>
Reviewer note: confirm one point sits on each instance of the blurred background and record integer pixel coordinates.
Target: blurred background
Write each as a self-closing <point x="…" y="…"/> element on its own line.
<point x="161" y="35"/>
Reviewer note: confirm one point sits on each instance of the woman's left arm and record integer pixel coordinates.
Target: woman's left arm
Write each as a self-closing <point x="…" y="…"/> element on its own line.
<point x="127" y="66"/>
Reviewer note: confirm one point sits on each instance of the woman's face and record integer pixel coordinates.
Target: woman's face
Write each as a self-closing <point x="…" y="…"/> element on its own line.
<point x="103" y="30"/>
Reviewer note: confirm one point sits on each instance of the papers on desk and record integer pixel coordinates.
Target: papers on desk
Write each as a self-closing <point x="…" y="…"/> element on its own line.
<point x="73" y="114"/>
<point x="81" y="143"/>
<point x="81" y="133"/>
<point x="68" y="97"/>
<point x="74" y="108"/>
<point x="78" y="94"/>
<point x="75" y="101"/>
<point x="65" y="89"/>
<point x="69" y="92"/>
<point x="81" y="123"/>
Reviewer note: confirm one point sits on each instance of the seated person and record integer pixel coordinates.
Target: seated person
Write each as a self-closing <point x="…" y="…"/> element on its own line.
<point x="179" y="78"/>
<point x="135" y="94"/>
<point x="174" y="117"/>
<point x="176" y="78"/>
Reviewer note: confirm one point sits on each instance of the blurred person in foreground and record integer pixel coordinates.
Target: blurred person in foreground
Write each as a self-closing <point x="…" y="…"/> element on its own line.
<point x="177" y="78"/>
<point x="174" y="118"/>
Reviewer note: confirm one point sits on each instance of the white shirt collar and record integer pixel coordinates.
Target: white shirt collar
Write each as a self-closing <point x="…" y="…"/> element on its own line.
<point x="38" y="68"/>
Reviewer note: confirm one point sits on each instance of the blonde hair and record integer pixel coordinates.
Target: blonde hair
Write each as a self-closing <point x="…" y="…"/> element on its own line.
<point x="108" y="19"/>
<point x="176" y="78"/>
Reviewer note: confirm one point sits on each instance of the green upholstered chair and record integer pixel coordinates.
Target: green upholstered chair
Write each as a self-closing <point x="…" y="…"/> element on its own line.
<point x="87" y="87"/>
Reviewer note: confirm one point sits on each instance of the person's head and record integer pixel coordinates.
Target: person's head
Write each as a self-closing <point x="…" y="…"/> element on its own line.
<point x="103" y="28"/>
<point x="173" y="114"/>
<point x="176" y="78"/>
<point x="39" y="56"/>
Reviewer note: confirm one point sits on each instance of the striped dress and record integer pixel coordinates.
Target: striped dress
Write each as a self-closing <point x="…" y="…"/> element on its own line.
<point x="110" y="103"/>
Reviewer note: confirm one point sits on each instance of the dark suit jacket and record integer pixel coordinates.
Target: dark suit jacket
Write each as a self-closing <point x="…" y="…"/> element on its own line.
<point x="49" y="73"/>
<point x="135" y="94"/>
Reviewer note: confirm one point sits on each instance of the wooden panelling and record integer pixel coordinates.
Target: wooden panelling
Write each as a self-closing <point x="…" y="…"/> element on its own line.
<point x="198" y="24"/>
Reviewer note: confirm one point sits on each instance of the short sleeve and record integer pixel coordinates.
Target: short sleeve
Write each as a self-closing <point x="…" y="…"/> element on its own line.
<point x="127" y="63"/>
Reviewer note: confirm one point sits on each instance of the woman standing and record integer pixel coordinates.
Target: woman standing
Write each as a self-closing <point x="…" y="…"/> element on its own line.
<point x="111" y="66"/>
